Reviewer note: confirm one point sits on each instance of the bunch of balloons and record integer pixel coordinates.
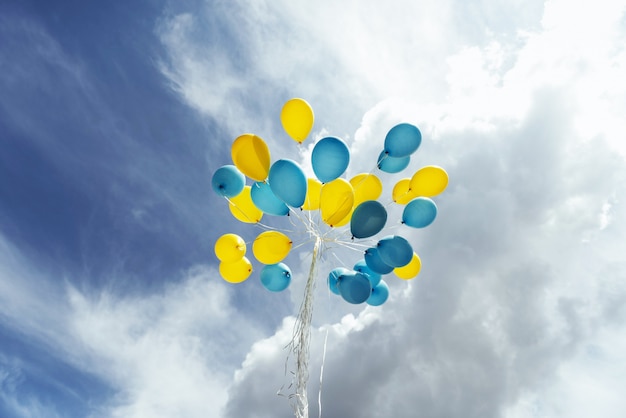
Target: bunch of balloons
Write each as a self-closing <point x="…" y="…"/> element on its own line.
<point x="281" y="188"/>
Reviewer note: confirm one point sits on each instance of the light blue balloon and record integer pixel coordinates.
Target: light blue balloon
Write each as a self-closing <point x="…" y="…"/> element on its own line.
<point x="395" y="251"/>
<point x="390" y="164"/>
<point x="354" y="287"/>
<point x="375" y="263"/>
<point x="333" y="276"/>
<point x="402" y="140"/>
<point x="362" y="267"/>
<point x="419" y="212"/>
<point x="276" y="277"/>
<point x="264" y="198"/>
<point x="228" y="181"/>
<point x="368" y="219"/>
<point x="330" y="158"/>
<point x="380" y="294"/>
<point x="288" y="182"/>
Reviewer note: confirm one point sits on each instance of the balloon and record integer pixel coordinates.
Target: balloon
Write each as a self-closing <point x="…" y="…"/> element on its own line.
<point x="379" y="295"/>
<point x="228" y="181"/>
<point x="354" y="287"/>
<point x="375" y="263"/>
<point x="419" y="212"/>
<point x="395" y="251"/>
<point x="230" y="248"/>
<point x="271" y="247"/>
<point x="373" y="277"/>
<point x="429" y="181"/>
<point x="402" y="193"/>
<point x="265" y="199"/>
<point x="237" y="271"/>
<point x="330" y="158"/>
<point x="402" y="140"/>
<point x="288" y="182"/>
<point x="252" y="156"/>
<point x="297" y="119"/>
<point x="336" y="201"/>
<point x="368" y="219"/>
<point x="312" y="201"/>
<point x="276" y="277"/>
<point x="390" y="164"/>
<point x="242" y="207"/>
<point x="333" y="276"/>
<point x="410" y="270"/>
<point x="366" y="187"/>
<point x="346" y="219"/>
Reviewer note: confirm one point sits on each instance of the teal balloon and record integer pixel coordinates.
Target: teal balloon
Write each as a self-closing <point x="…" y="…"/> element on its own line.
<point x="330" y="158"/>
<point x="375" y="263"/>
<point x="276" y="277"/>
<point x="288" y="182"/>
<point x="419" y="212"/>
<point x="368" y="219"/>
<point x="333" y="277"/>
<point x="402" y="140"/>
<point x="395" y="251"/>
<point x="390" y="164"/>
<point x="264" y="198"/>
<point x="362" y="267"/>
<point x="380" y="294"/>
<point x="228" y="181"/>
<point x="354" y="287"/>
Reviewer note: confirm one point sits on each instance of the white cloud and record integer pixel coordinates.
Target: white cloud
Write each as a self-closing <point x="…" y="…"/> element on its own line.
<point x="519" y="306"/>
<point x="520" y="273"/>
<point x="166" y="354"/>
<point x="163" y="354"/>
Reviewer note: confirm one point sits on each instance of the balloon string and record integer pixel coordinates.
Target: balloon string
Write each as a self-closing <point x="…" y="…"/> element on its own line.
<point x="319" y="395"/>
<point x="300" y="341"/>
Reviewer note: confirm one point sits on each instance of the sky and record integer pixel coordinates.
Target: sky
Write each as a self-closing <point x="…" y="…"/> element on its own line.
<point x="114" y="116"/>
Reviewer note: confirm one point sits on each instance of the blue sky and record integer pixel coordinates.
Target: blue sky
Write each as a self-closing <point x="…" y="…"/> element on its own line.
<point x="114" y="116"/>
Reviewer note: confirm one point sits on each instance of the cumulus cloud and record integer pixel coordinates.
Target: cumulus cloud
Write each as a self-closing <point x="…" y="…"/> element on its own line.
<point x="167" y="354"/>
<point x="521" y="277"/>
<point x="519" y="308"/>
<point x="164" y="354"/>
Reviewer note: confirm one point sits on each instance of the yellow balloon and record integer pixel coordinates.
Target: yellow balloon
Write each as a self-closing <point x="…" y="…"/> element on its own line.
<point x="237" y="271"/>
<point x="346" y="219"/>
<point x="297" y="119"/>
<point x="429" y="181"/>
<point x="251" y="156"/>
<point x="312" y="201"/>
<point x="366" y="187"/>
<point x="242" y="207"/>
<point x="402" y="193"/>
<point x="230" y="248"/>
<point x="411" y="270"/>
<point x="271" y="247"/>
<point x="336" y="201"/>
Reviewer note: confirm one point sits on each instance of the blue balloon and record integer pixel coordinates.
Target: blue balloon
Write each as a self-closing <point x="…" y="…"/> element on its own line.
<point x="330" y="158"/>
<point x="288" y="182"/>
<point x="228" y="181"/>
<point x="390" y="164"/>
<point x="368" y="219"/>
<point x="333" y="276"/>
<point x="276" y="277"/>
<point x="354" y="287"/>
<point x="375" y="263"/>
<point x="395" y="251"/>
<point x="264" y="198"/>
<point x="419" y="212"/>
<point x="379" y="295"/>
<point x="362" y="267"/>
<point x="402" y="140"/>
